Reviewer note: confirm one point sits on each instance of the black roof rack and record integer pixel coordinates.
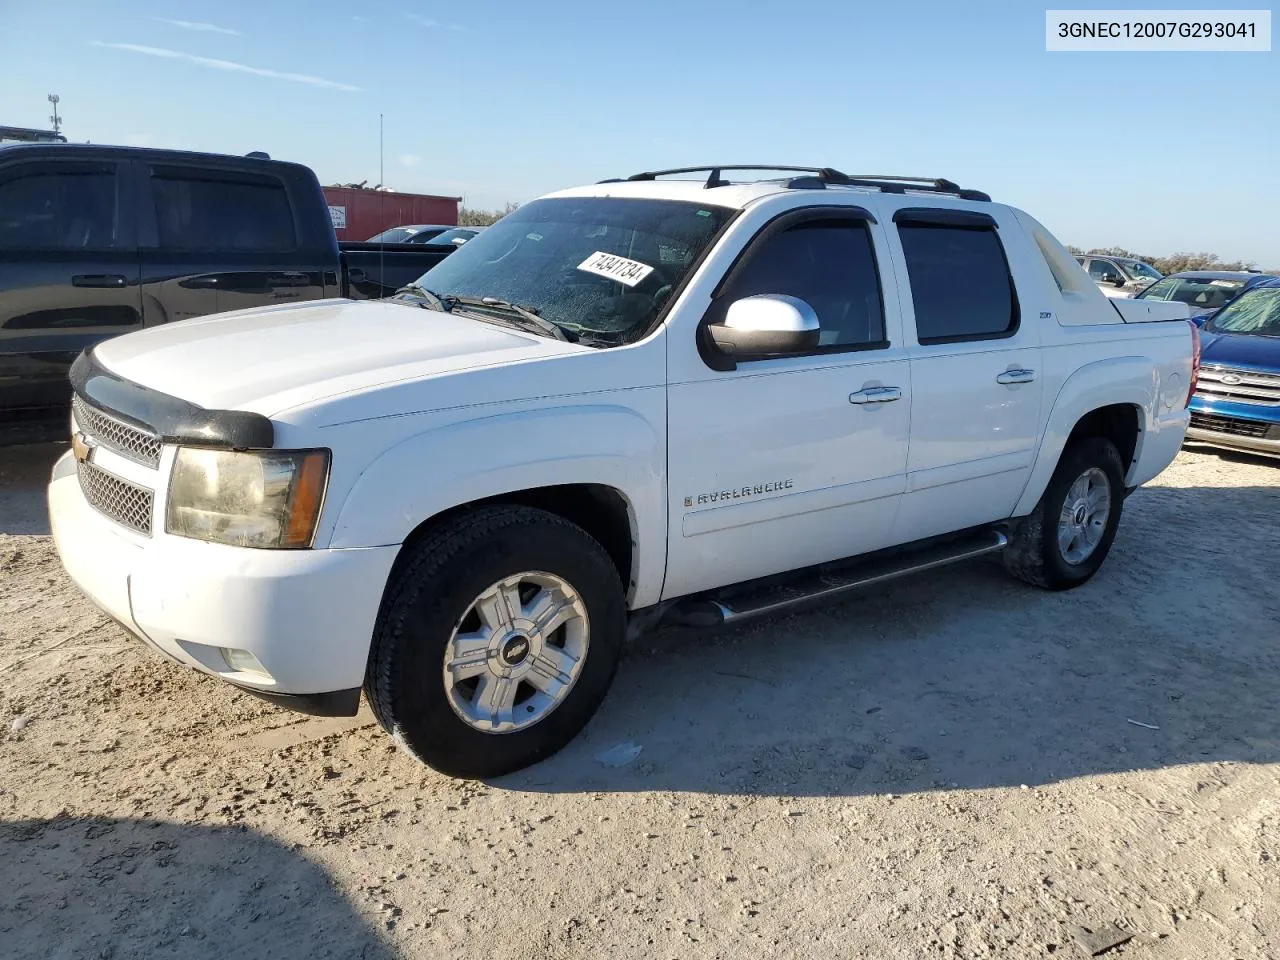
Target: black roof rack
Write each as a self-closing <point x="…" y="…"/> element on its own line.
<point x="819" y="178"/>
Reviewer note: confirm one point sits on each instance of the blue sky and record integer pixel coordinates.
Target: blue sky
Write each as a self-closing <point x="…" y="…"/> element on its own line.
<point x="501" y="100"/>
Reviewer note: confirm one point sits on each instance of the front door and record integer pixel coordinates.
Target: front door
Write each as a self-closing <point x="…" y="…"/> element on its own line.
<point x="783" y="462"/>
<point x="975" y="371"/>
<point x="216" y="240"/>
<point x="68" y="275"/>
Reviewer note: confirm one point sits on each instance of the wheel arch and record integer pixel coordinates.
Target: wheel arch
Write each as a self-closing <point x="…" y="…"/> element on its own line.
<point x="1114" y="399"/>
<point x="602" y="511"/>
<point x="1118" y="422"/>
<point x="600" y="467"/>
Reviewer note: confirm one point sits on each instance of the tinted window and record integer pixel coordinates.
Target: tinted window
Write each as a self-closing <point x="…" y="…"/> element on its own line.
<point x="960" y="283"/>
<point x="195" y="213"/>
<point x="828" y="264"/>
<point x="58" y="211"/>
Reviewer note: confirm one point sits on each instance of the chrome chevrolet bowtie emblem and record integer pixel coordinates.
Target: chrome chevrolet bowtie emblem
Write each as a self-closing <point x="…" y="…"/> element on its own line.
<point x="81" y="448"/>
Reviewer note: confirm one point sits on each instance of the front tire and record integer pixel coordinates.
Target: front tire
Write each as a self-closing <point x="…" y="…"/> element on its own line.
<point x="497" y="641"/>
<point x="1069" y="534"/>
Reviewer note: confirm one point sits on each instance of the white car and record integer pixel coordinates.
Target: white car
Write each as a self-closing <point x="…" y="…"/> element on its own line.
<point x="1119" y="278"/>
<point x="643" y="402"/>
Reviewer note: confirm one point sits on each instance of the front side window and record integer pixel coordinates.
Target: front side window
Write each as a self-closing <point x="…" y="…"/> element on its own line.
<point x="1104" y="270"/>
<point x="58" y="211"/>
<point x="601" y="268"/>
<point x="1255" y="312"/>
<point x="960" y="282"/>
<point x="830" y="264"/>
<point x="203" y="212"/>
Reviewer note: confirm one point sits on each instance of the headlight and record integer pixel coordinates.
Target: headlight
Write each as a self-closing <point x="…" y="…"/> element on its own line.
<point x="265" y="498"/>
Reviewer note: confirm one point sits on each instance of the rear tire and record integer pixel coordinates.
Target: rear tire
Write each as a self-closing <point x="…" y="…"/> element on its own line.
<point x="504" y="597"/>
<point x="1064" y="541"/>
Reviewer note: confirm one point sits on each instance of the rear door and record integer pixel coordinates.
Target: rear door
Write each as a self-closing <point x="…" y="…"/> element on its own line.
<point x="975" y="367"/>
<point x="68" y="274"/>
<point x="216" y="239"/>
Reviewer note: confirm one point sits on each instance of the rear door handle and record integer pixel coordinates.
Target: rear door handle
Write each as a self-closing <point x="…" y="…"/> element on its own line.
<point x="99" y="280"/>
<point x="1017" y="375"/>
<point x="876" y="395"/>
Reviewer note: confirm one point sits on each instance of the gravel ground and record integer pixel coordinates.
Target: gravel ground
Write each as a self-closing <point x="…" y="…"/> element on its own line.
<point x="955" y="766"/>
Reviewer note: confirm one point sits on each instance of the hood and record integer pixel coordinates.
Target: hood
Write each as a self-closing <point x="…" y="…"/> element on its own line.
<point x="1240" y="350"/>
<point x="275" y="358"/>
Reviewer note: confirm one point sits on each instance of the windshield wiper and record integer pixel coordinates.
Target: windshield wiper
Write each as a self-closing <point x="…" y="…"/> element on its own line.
<point x="529" y="317"/>
<point x="433" y="302"/>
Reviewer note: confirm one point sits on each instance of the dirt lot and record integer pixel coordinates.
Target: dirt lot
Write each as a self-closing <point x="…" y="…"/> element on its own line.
<point x="950" y="767"/>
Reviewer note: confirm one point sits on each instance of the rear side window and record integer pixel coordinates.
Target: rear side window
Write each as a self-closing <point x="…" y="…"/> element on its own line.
<point x="829" y="264"/>
<point x="201" y="211"/>
<point x="58" y="211"/>
<point x="960" y="283"/>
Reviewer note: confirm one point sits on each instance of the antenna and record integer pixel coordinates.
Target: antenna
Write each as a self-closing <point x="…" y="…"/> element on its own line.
<point x="382" y="213"/>
<point x="55" y="119"/>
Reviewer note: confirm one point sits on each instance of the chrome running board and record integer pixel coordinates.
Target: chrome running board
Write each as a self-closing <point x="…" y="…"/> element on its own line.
<point x="814" y="584"/>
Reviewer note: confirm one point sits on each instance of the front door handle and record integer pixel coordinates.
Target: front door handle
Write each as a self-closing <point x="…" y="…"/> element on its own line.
<point x="99" y="280"/>
<point x="876" y="395"/>
<point x="1016" y="375"/>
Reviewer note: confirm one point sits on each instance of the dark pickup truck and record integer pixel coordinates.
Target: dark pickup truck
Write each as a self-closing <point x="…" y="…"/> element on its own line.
<point x="97" y="241"/>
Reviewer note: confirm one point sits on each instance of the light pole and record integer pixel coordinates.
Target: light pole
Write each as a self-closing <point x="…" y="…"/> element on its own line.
<point x="57" y="123"/>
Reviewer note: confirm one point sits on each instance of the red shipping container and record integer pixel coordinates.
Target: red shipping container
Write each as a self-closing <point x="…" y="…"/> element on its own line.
<point x="359" y="214"/>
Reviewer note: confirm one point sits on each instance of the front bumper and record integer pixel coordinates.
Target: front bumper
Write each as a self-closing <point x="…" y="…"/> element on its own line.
<point x="1254" y="428"/>
<point x="1264" y="445"/>
<point x="306" y="616"/>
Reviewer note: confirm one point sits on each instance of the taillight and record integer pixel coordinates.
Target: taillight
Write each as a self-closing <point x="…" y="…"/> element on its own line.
<point x="1195" y="362"/>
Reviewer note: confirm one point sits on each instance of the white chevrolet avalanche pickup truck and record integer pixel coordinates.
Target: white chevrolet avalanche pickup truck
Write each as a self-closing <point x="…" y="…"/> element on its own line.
<point x="646" y="402"/>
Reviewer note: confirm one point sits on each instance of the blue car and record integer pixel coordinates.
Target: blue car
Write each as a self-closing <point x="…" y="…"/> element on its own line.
<point x="1237" y="400"/>
<point x="1204" y="291"/>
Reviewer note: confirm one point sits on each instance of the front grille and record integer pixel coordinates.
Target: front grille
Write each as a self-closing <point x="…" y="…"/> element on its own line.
<point x="1238" y="385"/>
<point x="1237" y="428"/>
<point x="126" y="503"/>
<point x="125" y="439"/>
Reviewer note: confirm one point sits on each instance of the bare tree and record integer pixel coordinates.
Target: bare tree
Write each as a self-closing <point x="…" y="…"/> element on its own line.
<point x="1174" y="263"/>
<point x="469" y="217"/>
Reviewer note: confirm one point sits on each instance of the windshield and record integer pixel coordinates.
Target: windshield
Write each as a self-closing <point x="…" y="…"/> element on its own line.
<point x="1143" y="271"/>
<point x="1198" y="294"/>
<point x="457" y="236"/>
<point x="402" y="234"/>
<point x="602" y="267"/>
<point x="1256" y="312"/>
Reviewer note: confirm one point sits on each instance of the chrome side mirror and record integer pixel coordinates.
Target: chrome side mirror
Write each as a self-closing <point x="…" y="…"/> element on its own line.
<point x="767" y="325"/>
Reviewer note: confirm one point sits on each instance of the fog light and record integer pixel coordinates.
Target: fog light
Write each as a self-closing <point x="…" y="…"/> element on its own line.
<point x="242" y="661"/>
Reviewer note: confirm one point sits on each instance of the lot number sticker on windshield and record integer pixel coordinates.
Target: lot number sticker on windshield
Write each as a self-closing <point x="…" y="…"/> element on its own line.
<point x="614" y="267"/>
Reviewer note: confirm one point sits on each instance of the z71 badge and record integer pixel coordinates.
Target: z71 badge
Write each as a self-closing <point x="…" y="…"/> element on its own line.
<point x="756" y="490"/>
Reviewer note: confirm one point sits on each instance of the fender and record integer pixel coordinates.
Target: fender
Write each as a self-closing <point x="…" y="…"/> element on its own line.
<point x="1134" y="381"/>
<point x="450" y="466"/>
